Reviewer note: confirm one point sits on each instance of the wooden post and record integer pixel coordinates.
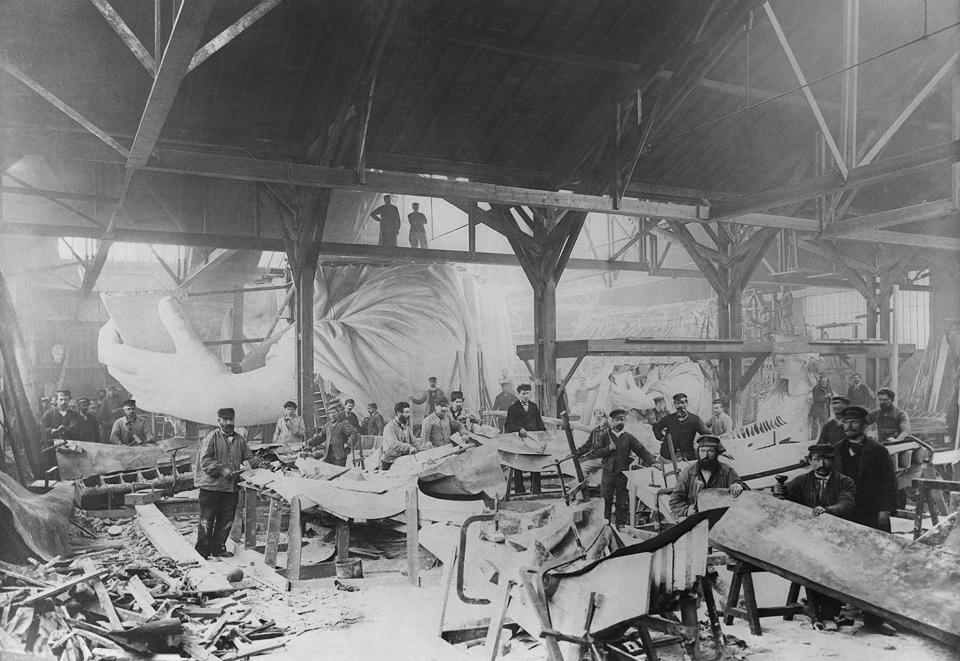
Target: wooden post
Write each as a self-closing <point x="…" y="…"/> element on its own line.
<point x="294" y="541"/>
<point x="545" y="335"/>
<point x="236" y="350"/>
<point x="343" y="540"/>
<point x="413" y="535"/>
<point x="273" y="533"/>
<point x="306" y="275"/>
<point x="250" y="517"/>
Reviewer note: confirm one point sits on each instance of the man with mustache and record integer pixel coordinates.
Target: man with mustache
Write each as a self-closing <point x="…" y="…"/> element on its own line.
<point x="893" y="423"/>
<point x="708" y="472"/>
<point x="682" y="427"/>
<point x="827" y="491"/>
<point x="613" y="446"/>
<point x="832" y="431"/>
<point x="219" y="460"/>
<point x="398" y="438"/>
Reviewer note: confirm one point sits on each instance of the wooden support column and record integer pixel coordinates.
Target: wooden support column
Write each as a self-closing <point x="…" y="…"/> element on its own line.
<point x="25" y="437"/>
<point x="236" y="349"/>
<point x="305" y="277"/>
<point x="545" y="334"/>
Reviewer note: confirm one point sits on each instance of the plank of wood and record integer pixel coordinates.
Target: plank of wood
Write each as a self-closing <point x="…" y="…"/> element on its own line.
<point x="783" y="538"/>
<point x="258" y="648"/>
<point x="102" y="595"/>
<point x="250" y="517"/>
<point x="141" y="595"/>
<point x="273" y="533"/>
<point x="63" y="587"/>
<point x="294" y="540"/>
<point x="162" y="534"/>
<point x="413" y="543"/>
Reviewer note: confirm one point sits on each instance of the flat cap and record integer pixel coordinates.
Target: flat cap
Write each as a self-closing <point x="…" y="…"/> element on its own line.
<point x="679" y="396"/>
<point x="289" y="404"/>
<point x="854" y="412"/>
<point x="839" y="398"/>
<point x="226" y="413"/>
<point x="821" y="448"/>
<point x="618" y="413"/>
<point x="128" y="402"/>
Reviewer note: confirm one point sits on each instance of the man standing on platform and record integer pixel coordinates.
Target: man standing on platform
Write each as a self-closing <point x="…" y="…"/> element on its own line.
<point x="398" y="437"/>
<point x="340" y="436"/>
<point x="827" y="491"/>
<point x="708" y="472"/>
<point x="820" y="408"/>
<point x="430" y="396"/>
<point x="389" y="218"/>
<point x="131" y="429"/>
<point x="867" y="463"/>
<point x="613" y="447"/>
<point x="87" y="427"/>
<point x="418" y="227"/>
<point x="832" y="431"/>
<point x="859" y="393"/>
<point x="219" y="461"/>
<point x="682" y="427"/>
<point x="524" y="416"/>
<point x="893" y="423"/>
<point x="504" y="398"/>
<point x="374" y="423"/>
<point x="291" y="429"/>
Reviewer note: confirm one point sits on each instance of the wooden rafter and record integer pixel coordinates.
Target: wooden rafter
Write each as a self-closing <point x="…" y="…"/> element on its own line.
<point x="230" y="33"/>
<point x="215" y="258"/>
<point x="805" y="88"/>
<point x="696" y="252"/>
<point x="60" y="105"/>
<point x="909" y="214"/>
<point x="187" y="29"/>
<point x="52" y="198"/>
<point x="116" y="22"/>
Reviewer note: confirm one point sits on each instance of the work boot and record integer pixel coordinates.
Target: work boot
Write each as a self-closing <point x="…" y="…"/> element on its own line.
<point x="222" y="552"/>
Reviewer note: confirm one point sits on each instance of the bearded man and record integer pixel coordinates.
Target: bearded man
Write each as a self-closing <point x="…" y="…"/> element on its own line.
<point x="708" y="472"/>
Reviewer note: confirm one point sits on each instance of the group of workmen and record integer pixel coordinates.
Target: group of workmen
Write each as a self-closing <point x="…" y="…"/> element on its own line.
<point x="117" y="421"/>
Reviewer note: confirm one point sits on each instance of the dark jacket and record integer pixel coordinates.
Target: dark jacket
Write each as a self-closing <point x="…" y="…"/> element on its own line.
<point x="874" y="478"/>
<point x="682" y="432"/>
<point x="53" y="419"/>
<point x="518" y="419"/>
<point x="615" y="459"/>
<point x="860" y="395"/>
<point x="218" y="452"/>
<point x="683" y="500"/>
<point x="340" y="437"/>
<point x="86" y="428"/>
<point x="373" y="424"/>
<point x="838" y="497"/>
<point x="890" y="423"/>
<point x="832" y="432"/>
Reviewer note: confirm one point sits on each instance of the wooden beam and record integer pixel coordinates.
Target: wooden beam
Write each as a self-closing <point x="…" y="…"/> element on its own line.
<point x="693" y="248"/>
<point x="166" y="267"/>
<point x="910" y="214"/>
<point x="215" y="258"/>
<point x="55" y="200"/>
<point x="55" y="194"/>
<point x="874" y="173"/>
<point x="805" y="87"/>
<point x="181" y="46"/>
<point x="232" y="32"/>
<point x="928" y="241"/>
<point x="60" y="105"/>
<point x="909" y="109"/>
<point x="115" y="21"/>
<point x="517" y="48"/>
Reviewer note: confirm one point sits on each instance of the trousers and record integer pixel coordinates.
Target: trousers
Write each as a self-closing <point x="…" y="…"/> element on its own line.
<point x="613" y="488"/>
<point x="217" y="510"/>
<point x="824" y="607"/>
<point x="418" y="239"/>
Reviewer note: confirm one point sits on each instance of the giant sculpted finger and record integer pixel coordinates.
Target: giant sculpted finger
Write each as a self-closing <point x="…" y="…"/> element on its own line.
<point x="188" y="383"/>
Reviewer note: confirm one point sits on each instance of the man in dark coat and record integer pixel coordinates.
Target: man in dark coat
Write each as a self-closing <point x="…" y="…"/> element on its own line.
<point x="859" y="393"/>
<point x="87" y="427"/>
<point x="613" y="447"/>
<point x="867" y="463"/>
<point x="523" y="416"/>
<point x="682" y="427"/>
<point x="832" y="431"/>
<point x="340" y="437"/>
<point x="827" y="491"/>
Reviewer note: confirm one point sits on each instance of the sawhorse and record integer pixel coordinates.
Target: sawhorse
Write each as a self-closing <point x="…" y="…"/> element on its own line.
<point x="743" y="578"/>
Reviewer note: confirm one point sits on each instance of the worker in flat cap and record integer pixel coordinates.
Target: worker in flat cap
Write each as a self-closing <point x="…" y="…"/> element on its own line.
<point x="290" y="430"/>
<point x="613" y="446"/>
<point x="131" y="429"/>
<point x="708" y="472"/>
<point x="219" y="461"/>
<point x="867" y="463"/>
<point x="826" y="491"/>
<point x="893" y="423"/>
<point x="832" y="431"/>
<point x="87" y="427"/>
<point x="680" y="428"/>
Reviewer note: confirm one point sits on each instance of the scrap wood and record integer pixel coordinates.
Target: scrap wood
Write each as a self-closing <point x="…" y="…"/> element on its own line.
<point x="63" y="587"/>
<point x="141" y="595"/>
<point x="251" y="650"/>
<point x="102" y="596"/>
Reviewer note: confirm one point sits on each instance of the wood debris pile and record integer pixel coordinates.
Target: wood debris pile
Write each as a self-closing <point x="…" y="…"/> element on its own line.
<point x="118" y="599"/>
